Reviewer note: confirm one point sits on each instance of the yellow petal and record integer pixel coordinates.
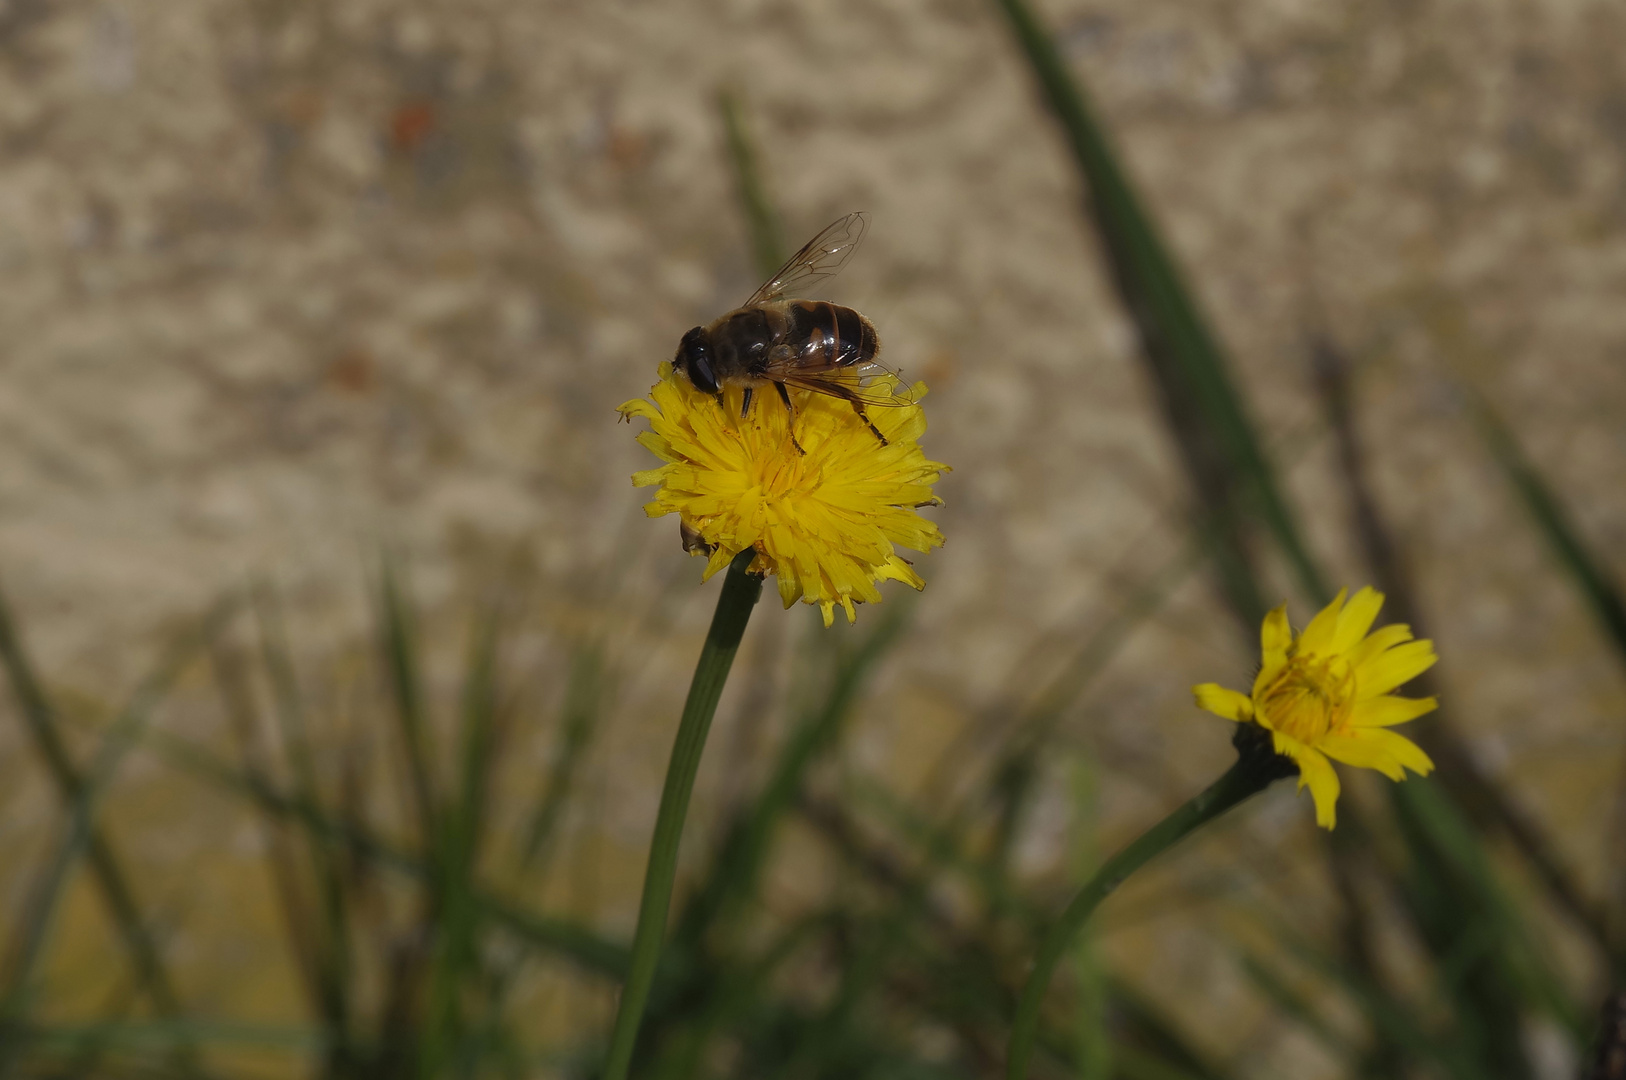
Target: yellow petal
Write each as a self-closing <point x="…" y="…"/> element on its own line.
<point x="1318" y="635"/>
<point x="646" y="477"/>
<point x="1223" y="702"/>
<point x="1274" y="638"/>
<point x="1356" y="619"/>
<point x="1386" y="671"/>
<point x="1316" y="773"/>
<point x="1363" y="753"/>
<point x="1383" y="638"/>
<point x="1392" y="748"/>
<point x="1387" y="711"/>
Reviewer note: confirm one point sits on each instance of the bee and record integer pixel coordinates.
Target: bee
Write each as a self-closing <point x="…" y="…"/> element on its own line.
<point x="809" y="344"/>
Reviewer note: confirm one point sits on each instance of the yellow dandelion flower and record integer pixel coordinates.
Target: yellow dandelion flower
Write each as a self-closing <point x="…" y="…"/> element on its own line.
<point x="823" y="520"/>
<point x="1326" y="694"/>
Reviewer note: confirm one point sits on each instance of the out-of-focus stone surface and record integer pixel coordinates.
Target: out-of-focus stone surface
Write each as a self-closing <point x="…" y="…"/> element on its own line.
<point x="284" y="281"/>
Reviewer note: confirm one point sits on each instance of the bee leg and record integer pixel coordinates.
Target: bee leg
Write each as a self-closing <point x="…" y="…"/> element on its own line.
<point x="721" y="404"/>
<point x="745" y="406"/>
<point x="858" y="407"/>
<point x="837" y="390"/>
<point x="784" y="395"/>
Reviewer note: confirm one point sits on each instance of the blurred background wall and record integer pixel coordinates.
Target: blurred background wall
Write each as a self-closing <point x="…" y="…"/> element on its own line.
<point x="284" y="283"/>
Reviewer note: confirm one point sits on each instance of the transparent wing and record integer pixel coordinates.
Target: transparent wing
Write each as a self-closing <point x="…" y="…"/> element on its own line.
<point x="851" y="383"/>
<point x="823" y="257"/>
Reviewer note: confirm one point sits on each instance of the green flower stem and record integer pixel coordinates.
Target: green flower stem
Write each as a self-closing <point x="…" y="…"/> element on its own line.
<point x="1256" y="767"/>
<point x="740" y="593"/>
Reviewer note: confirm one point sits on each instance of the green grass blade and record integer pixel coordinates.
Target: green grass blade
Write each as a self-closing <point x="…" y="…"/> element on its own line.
<point x="1187" y="362"/>
<point x="762" y="220"/>
<point x="1479" y="794"/>
<point x="730" y="885"/>
<point x="1089" y="968"/>
<point x="42" y="722"/>
<point x="587" y="950"/>
<point x="398" y="644"/>
<point x="1394" y="1020"/>
<point x="1189" y="368"/>
<point x="1597" y="587"/>
<point x="122" y="736"/>
<point x="583" y="713"/>
<point x="969" y="964"/>
<point x="1256" y="767"/>
<point x="1298" y="1007"/>
<point x="1524" y="966"/>
<point x="456" y="919"/>
<point x="319" y="931"/>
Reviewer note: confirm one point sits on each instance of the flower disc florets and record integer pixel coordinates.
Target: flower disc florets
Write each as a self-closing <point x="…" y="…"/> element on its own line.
<point x="823" y="519"/>
<point x="1326" y="694"/>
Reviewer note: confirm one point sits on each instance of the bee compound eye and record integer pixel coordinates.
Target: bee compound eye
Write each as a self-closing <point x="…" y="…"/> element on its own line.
<point x="694" y="357"/>
<point x="701" y="375"/>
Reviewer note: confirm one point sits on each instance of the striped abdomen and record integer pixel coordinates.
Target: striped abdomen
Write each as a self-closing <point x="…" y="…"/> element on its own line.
<point x="819" y="334"/>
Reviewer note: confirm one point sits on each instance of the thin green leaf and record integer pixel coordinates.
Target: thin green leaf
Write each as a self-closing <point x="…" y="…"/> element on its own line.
<point x="41" y="910"/>
<point x="762" y="220"/>
<point x="1597" y="587"/>
<point x="1229" y="470"/>
<point x="398" y="644"/>
<point x="43" y="724"/>
<point x="580" y="720"/>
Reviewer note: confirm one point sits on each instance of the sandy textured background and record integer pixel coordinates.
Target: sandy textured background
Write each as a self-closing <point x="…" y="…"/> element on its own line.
<point x="283" y="280"/>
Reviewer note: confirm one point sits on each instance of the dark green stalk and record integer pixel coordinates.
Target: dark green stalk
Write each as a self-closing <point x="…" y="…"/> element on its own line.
<point x="740" y="593"/>
<point x="1257" y="766"/>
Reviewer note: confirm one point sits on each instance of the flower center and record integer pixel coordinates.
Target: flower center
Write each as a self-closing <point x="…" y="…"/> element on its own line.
<point x="778" y="477"/>
<point x="1311" y="697"/>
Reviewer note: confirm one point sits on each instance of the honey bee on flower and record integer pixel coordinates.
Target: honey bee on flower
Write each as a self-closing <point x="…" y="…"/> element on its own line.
<point x="822" y="487"/>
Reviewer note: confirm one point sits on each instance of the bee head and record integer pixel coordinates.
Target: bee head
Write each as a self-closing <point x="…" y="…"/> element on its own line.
<point x="694" y="360"/>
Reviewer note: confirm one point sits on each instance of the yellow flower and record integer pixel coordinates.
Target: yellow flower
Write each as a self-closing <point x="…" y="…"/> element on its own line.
<point x="1325" y="694"/>
<point x="824" y="521"/>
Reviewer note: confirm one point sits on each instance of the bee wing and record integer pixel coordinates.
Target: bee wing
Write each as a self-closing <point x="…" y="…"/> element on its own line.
<point x="848" y="381"/>
<point x="823" y="257"/>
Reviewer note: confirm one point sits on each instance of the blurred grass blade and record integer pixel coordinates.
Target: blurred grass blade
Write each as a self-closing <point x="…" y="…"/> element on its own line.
<point x="1524" y="967"/>
<point x="42" y="907"/>
<point x="1480" y="795"/>
<point x="1296" y="1006"/>
<point x="1602" y="594"/>
<point x="585" y="693"/>
<point x="1608" y="1050"/>
<point x="1205" y="412"/>
<point x="399" y="647"/>
<point x="762" y="220"/>
<point x="584" y="948"/>
<point x="41" y="719"/>
<point x="1027" y="736"/>
<point x="455" y="918"/>
<point x="1220" y="447"/>
<point x="1392" y="1019"/>
<point x="1094" y="1045"/>
<point x="1257" y="766"/>
<point x="319" y="932"/>
<point x="732" y="879"/>
<point x="1145" y="1043"/>
<point x="1455" y="919"/>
